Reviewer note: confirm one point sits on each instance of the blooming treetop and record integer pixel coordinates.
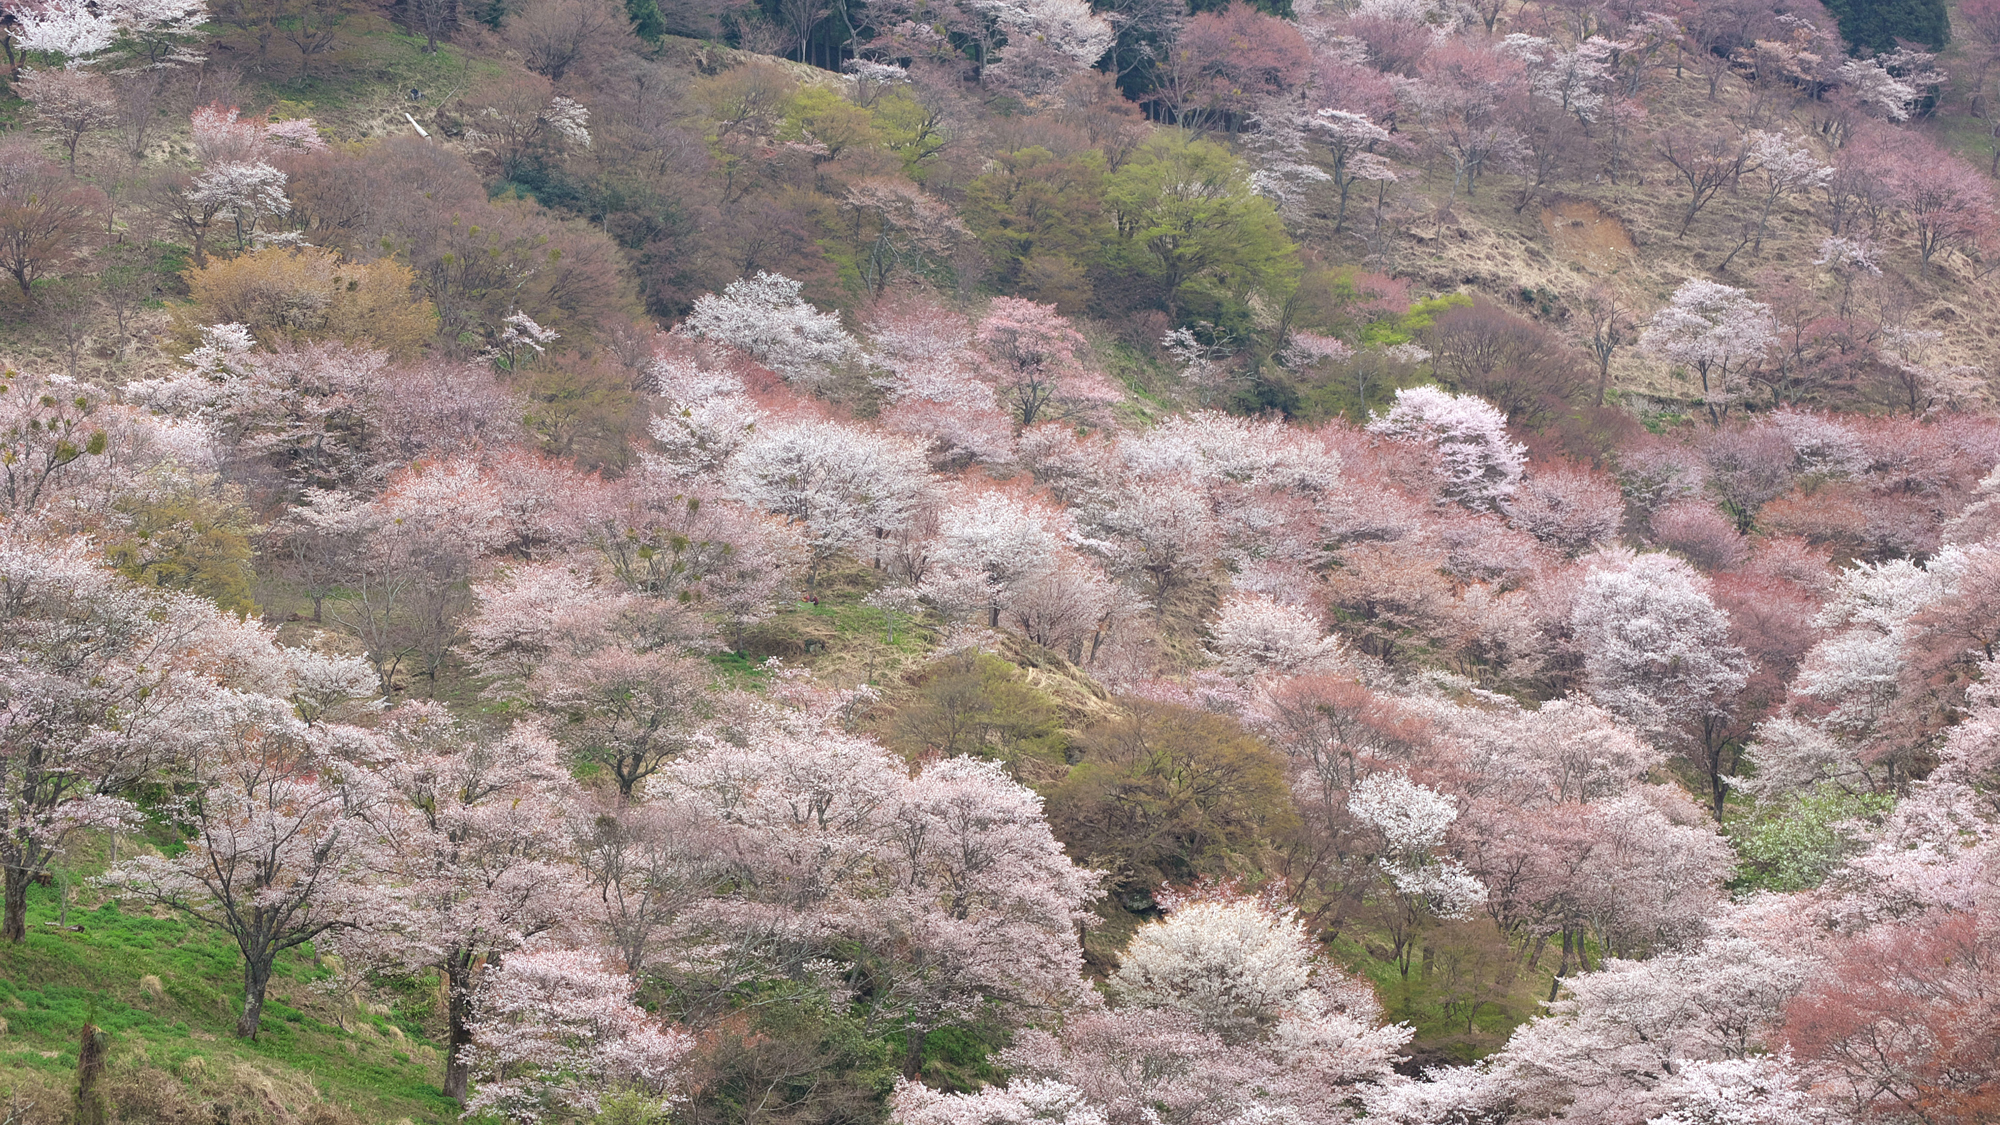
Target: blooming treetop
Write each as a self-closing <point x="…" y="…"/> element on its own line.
<point x="766" y="317"/>
<point x="1480" y="465"/>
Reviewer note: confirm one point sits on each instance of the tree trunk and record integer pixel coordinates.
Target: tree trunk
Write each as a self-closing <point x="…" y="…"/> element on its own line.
<point x="16" y="925"/>
<point x="913" y="1054"/>
<point x="256" y="978"/>
<point x="90" y="1054"/>
<point x="457" y="1068"/>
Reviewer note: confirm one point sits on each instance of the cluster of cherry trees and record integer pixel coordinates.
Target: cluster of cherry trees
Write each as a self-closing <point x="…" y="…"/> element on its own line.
<point x="1672" y="750"/>
<point x="1487" y="683"/>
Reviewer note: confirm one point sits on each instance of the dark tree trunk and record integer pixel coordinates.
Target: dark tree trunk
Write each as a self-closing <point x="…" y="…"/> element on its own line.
<point x="256" y="978"/>
<point x="16" y="925"/>
<point x="91" y="1108"/>
<point x="457" y="1067"/>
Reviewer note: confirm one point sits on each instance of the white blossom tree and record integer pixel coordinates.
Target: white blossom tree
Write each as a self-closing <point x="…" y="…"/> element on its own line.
<point x="1714" y="330"/>
<point x="1657" y="652"/>
<point x="766" y="317"/>
<point x="839" y="484"/>
<point x="1478" y="463"/>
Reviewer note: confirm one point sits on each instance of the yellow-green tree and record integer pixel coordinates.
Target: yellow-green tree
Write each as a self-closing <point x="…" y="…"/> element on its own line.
<point x="188" y="532"/>
<point x="288" y="295"/>
<point x="1187" y="213"/>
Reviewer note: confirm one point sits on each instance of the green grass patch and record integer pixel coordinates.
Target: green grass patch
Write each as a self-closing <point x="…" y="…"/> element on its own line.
<point x="169" y="993"/>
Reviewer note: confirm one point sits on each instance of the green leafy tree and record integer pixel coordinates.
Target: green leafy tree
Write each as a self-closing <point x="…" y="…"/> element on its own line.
<point x="1794" y="843"/>
<point x="1168" y="794"/>
<point x="189" y="532"/>
<point x="1186" y="211"/>
<point x="1875" y="25"/>
<point x="977" y="703"/>
<point x="1040" y="218"/>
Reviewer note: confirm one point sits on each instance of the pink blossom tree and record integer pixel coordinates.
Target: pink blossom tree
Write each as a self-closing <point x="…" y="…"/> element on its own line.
<point x="1038" y="363"/>
<point x="1949" y="205"/>
<point x="554" y="1032"/>
<point x="472" y="858"/>
<point x="1227" y="1015"/>
<point x="276" y="849"/>
<point x="93" y="691"/>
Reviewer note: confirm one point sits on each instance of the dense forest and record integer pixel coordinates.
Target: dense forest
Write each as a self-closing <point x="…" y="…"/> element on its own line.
<point x="987" y="562"/>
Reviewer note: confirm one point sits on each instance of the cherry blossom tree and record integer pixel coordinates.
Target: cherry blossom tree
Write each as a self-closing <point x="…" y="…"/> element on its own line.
<point x="95" y="679"/>
<point x="45" y="215"/>
<point x="1228" y="1016"/>
<point x="71" y="103"/>
<point x="1004" y="543"/>
<point x="934" y="389"/>
<point x="237" y="182"/>
<point x="1166" y="535"/>
<point x="766" y="317"/>
<point x="985" y="909"/>
<point x="276" y="843"/>
<point x="1788" y="169"/>
<point x="554" y="1033"/>
<point x="1411" y="821"/>
<point x="839" y="484"/>
<point x="1568" y="508"/>
<point x="1038" y="363"/>
<point x="1254" y="634"/>
<point x="650" y="866"/>
<point x="50" y="432"/>
<point x="627" y="711"/>
<point x="1358" y="150"/>
<point x="471" y="856"/>
<point x="1717" y="331"/>
<point x="1949" y="204"/>
<point x="1657" y="651"/>
<point x="154" y="29"/>
<point x="408" y="583"/>
<point x="1479" y="465"/>
<point x="945" y="891"/>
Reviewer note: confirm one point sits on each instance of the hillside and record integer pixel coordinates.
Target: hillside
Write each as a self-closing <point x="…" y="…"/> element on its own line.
<point x="978" y="562"/>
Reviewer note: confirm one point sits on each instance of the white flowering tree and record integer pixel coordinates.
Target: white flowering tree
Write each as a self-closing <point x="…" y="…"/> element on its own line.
<point x="838" y="484"/>
<point x="1657" y="653"/>
<point x="1254" y="634"/>
<point x="1714" y="330"/>
<point x="1412" y="821"/>
<point x="1478" y="463"/>
<point x="766" y="317"/>
<point x="156" y="31"/>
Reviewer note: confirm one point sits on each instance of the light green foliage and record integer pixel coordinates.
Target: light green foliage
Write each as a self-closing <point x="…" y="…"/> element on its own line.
<point x="976" y="703"/>
<point x="1041" y="218"/>
<point x="1186" y="213"/>
<point x="913" y="131"/>
<point x="191" y="533"/>
<point x="817" y="115"/>
<point x="1390" y="331"/>
<point x="1794" y="843"/>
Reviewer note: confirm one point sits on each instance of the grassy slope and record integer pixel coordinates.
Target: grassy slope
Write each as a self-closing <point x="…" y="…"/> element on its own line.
<point x="169" y="992"/>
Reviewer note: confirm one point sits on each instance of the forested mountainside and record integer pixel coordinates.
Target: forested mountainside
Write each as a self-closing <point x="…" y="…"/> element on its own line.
<point x="982" y="562"/>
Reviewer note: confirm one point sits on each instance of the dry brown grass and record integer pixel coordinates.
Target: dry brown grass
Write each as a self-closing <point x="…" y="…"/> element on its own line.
<point x="1625" y="236"/>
